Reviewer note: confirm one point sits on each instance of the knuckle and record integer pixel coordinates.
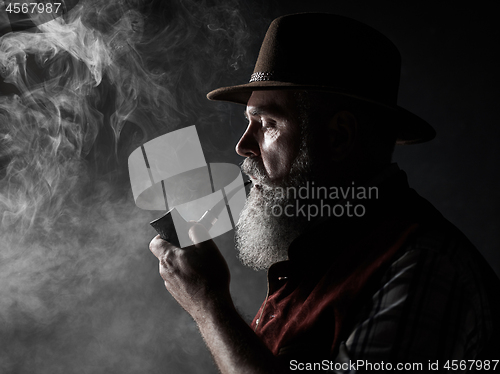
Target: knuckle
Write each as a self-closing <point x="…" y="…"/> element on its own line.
<point x="152" y="244"/>
<point x="165" y="261"/>
<point x="169" y="255"/>
<point x="157" y="245"/>
<point x="169" y="258"/>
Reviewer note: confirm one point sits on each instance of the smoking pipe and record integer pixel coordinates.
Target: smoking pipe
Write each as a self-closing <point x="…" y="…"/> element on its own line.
<point x="166" y="228"/>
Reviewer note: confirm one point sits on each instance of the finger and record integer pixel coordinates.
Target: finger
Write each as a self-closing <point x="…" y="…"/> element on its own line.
<point x="199" y="234"/>
<point x="158" y="246"/>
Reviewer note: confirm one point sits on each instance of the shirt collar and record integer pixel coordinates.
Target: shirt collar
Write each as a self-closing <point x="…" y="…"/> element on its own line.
<point x="328" y="235"/>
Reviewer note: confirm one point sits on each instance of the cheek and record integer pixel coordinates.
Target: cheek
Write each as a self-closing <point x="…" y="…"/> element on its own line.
<point x="279" y="152"/>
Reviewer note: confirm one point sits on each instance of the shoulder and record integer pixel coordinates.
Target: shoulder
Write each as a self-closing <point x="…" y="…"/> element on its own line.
<point x="446" y="289"/>
<point x="436" y="299"/>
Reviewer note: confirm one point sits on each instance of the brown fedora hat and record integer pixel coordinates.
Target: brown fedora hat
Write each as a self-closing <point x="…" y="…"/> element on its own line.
<point x="331" y="53"/>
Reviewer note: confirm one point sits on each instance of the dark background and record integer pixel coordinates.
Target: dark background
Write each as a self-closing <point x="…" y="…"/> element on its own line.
<point x="79" y="290"/>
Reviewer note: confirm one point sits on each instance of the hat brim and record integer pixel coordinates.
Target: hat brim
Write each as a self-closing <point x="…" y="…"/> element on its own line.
<point x="411" y="129"/>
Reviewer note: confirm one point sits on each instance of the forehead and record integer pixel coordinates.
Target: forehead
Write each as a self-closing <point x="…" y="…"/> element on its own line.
<point x="280" y="103"/>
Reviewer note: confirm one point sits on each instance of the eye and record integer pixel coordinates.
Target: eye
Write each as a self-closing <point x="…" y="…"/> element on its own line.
<point x="268" y="123"/>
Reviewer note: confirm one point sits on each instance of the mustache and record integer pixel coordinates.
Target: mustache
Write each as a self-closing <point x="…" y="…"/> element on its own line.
<point x="254" y="167"/>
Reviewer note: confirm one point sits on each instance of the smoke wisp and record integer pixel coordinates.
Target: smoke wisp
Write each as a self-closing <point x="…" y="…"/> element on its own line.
<point x="78" y="287"/>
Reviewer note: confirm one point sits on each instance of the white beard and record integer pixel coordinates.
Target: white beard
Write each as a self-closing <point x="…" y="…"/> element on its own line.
<point x="262" y="238"/>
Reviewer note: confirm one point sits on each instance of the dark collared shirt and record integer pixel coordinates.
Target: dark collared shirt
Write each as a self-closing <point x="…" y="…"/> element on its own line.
<point x="400" y="284"/>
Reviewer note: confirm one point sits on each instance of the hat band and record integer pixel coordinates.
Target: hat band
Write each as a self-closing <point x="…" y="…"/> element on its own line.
<point x="261" y="76"/>
<point x="358" y="89"/>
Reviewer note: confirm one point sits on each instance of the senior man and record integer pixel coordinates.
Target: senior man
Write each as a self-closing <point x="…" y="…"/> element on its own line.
<point x="360" y="267"/>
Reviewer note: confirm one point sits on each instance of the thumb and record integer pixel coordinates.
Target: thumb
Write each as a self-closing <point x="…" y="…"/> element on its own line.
<point x="198" y="234"/>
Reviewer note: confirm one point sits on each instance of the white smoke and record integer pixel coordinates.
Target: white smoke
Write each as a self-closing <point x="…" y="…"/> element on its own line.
<point x="78" y="286"/>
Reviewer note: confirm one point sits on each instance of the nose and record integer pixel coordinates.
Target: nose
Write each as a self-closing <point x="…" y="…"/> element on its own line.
<point x="248" y="145"/>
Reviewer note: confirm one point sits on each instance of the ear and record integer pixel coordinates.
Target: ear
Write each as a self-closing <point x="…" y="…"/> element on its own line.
<point x="342" y="132"/>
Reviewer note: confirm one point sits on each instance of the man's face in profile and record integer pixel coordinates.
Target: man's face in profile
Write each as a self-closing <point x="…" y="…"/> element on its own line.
<point x="277" y="156"/>
<point x="272" y="137"/>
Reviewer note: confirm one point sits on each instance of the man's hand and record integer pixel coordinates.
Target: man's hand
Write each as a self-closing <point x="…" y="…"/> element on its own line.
<point x="196" y="276"/>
